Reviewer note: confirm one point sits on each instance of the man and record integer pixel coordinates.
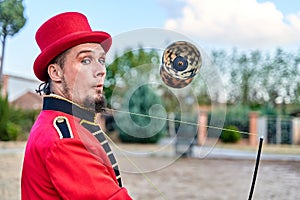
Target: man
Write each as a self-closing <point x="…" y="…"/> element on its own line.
<point x="67" y="155"/>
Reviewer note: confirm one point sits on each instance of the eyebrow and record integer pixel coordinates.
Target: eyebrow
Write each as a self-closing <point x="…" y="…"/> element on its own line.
<point x="89" y="51"/>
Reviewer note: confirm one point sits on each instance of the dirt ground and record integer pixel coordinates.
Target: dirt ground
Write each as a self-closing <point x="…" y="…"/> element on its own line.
<point x="165" y="177"/>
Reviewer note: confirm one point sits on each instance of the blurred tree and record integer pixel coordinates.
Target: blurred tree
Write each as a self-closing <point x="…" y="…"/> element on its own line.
<point x="11" y="21"/>
<point x="121" y="73"/>
<point x="280" y="77"/>
<point x="137" y="127"/>
<point x="256" y="78"/>
<point x="296" y="66"/>
<point x="131" y="85"/>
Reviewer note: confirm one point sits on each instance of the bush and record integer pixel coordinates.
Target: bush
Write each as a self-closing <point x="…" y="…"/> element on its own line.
<point x="236" y="115"/>
<point x="230" y="134"/>
<point x="23" y="118"/>
<point x="15" y="124"/>
<point x="13" y="130"/>
<point x="138" y="128"/>
<point x="4" y="112"/>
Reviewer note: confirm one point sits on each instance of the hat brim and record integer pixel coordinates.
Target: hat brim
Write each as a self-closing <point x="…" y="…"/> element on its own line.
<point x="47" y="55"/>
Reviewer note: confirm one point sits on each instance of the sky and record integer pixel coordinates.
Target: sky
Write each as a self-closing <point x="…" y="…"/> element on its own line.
<point x="212" y="24"/>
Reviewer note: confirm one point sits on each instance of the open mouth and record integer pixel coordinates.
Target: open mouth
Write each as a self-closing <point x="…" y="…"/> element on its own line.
<point x="99" y="89"/>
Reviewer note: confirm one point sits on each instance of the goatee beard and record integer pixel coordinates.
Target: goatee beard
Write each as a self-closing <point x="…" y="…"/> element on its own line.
<point x="98" y="105"/>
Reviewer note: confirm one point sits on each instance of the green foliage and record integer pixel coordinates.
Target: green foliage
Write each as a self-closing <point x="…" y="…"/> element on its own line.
<point x="127" y="88"/>
<point x="236" y="115"/>
<point x="253" y="80"/>
<point x="24" y="119"/>
<point x="13" y="130"/>
<point x="4" y="112"/>
<point x="140" y="128"/>
<point x="258" y="78"/>
<point x="230" y="134"/>
<point x="11" y="17"/>
<point x="268" y="109"/>
<point x="15" y="124"/>
<point x="11" y="21"/>
<point x="126" y="63"/>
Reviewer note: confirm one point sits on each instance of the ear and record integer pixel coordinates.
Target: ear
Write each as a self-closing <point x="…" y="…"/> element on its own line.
<point x="55" y="72"/>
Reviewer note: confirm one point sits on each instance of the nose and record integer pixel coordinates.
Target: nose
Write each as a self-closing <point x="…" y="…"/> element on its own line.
<point x="100" y="74"/>
<point x="101" y="71"/>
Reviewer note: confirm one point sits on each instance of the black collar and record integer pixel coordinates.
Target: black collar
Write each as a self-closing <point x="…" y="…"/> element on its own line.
<point x="63" y="105"/>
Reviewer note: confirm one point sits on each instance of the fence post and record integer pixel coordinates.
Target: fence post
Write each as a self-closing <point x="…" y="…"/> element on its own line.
<point x="4" y="89"/>
<point x="278" y="129"/>
<point x="202" y="127"/>
<point x="253" y="121"/>
<point x="262" y="128"/>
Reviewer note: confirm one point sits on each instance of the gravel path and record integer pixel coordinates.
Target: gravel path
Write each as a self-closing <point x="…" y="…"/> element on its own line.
<point x="165" y="177"/>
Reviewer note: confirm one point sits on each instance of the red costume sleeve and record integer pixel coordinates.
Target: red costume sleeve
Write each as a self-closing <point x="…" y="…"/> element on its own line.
<point x="78" y="174"/>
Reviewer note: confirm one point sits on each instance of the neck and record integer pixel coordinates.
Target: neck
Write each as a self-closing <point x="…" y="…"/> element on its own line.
<point x="59" y="103"/>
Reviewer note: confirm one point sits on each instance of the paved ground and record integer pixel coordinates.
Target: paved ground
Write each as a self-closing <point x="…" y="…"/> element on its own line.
<point x="153" y="172"/>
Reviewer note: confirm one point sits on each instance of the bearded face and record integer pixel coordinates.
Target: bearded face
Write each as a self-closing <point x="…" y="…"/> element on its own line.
<point x="82" y="76"/>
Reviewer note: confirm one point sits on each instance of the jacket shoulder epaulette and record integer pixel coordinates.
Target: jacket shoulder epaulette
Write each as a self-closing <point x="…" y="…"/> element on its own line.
<point x="63" y="128"/>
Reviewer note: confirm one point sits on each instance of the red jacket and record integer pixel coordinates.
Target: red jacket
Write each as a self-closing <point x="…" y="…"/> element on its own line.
<point x="75" y="167"/>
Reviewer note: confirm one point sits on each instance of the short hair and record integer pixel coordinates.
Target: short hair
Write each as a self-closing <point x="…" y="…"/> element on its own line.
<point x="45" y="87"/>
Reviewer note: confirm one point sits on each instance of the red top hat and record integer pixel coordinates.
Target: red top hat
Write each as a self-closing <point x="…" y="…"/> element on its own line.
<point x="62" y="32"/>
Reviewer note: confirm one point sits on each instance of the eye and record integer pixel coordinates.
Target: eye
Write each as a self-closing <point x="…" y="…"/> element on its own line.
<point x="86" y="61"/>
<point x="102" y="61"/>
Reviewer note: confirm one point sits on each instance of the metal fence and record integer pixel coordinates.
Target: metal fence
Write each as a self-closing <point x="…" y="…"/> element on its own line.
<point x="276" y="129"/>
